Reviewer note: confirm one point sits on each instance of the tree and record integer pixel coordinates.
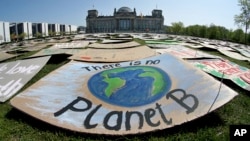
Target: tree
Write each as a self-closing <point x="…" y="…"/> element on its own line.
<point x="13" y="37"/>
<point x="22" y="36"/>
<point x="196" y="30"/>
<point x="243" y="19"/>
<point x="51" y="33"/>
<point x="212" y="32"/>
<point x="38" y="35"/>
<point x="238" y="36"/>
<point x="177" y="27"/>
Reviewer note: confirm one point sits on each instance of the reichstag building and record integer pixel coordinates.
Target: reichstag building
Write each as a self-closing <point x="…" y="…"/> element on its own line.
<point x="124" y="20"/>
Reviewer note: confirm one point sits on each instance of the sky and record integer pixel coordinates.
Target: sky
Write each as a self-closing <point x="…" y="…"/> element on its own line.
<point x="189" y="12"/>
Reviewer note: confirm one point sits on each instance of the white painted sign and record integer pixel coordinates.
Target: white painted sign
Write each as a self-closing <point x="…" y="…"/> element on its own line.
<point x="14" y="75"/>
<point x="81" y="44"/>
<point x="123" y="98"/>
<point x="183" y="52"/>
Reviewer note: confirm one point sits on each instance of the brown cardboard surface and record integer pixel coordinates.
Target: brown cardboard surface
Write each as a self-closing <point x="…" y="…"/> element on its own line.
<point x="5" y="56"/>
<point x="113" y="55"/>
<point x="71" y="45"/>
<point x="117" y="45"/>
<point x="48" y="51"/>
<point x="123" y="98"/>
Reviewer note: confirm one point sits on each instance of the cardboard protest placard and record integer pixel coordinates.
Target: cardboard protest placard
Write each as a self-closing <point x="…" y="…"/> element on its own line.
<point x="113" y="55"/>
<point x="238" y="74"/>
<point x="117" y="45"/>
<point x="183" y="52"/>
<point x="243" y="50"/>
<point x="5" y="56"/>
<point x="167" y="42"/>
<point x="123" y="98"/>
<point x="37" y="47"/>
<point x="234" y="55"/>
<point x="192" y="45"/>
<point x="49" y="51"/>
<point x="111" y="41"/>
<point x="209" y="46"/>
<point x="14" y="75"/>
<point x="79" y="44"/>
<point x="158" y="46"/>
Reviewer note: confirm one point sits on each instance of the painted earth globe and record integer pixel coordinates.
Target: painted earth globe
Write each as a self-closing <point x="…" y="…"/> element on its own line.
<point x="130" y="86"/>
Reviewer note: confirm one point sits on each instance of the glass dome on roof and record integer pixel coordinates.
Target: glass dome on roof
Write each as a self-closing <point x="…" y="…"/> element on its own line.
<point x="124" y="9"/>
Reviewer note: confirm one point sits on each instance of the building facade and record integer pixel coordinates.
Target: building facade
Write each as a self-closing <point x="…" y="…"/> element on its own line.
<point x="73" y="29"/>
<point x="55" y="28"/>
<point x="40" y="29"/>
<point x="27" y="30"/>
<point x="24" y="28"/>
<point x="4" y="32"/>
<point x="124" y="20"/>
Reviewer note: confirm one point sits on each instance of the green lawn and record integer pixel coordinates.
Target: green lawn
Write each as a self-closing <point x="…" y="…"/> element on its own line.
<point x="15" y="125"/>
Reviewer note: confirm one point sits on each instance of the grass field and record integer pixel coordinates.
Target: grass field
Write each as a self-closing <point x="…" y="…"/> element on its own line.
<point x="15" y="125"/>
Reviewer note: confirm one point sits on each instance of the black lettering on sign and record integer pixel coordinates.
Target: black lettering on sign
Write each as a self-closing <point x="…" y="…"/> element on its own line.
<point x="88" y="118"/>
<point x="87" y="68"/>
<point x="117" y="116"/>
<point x="96" y="68"/>
<point x="181" y="100"/>
<point x="152" y="62"/>
<point x="158" y="106"/>
<point x="71" y="106"/>
<point x="149" y="113"/>
<point x="132" y="63"/>
<point x="128" y="119"/>
<point x="118" y="125"/>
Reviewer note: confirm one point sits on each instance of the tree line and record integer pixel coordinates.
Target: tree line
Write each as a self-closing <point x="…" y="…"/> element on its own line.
<point x="219" y="32"/>
<point x="211" y="32"/>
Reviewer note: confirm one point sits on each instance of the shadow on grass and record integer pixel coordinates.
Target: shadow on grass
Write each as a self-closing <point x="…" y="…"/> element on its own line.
<point x="210" y="120"/>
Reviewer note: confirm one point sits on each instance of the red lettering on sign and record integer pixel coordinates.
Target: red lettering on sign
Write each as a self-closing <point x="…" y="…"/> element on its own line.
<point x="246" y="77"/>
<point x="217" y="64"/>
<point x="231" y="71"/>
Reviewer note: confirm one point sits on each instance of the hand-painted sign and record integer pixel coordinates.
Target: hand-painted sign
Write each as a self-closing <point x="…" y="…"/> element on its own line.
<point x="114" y="45"/>
<point x="37" y="47"/>
<point x="238" y="74"/>
<point x="14" y="75"/>
<point x="234" y="55"/>
<point x="113" y="55"/>
<point x="123" y="98"/>
<point x="207" y="45"/>
<point x="167" y="42"/>
<point x="158" y="46"/>
<point x="49" y="51"/>
<point x="192" y="45"/>
<point x="184" y="52"/>
<point x="5" y="56"/>
<point x="114" y="41"/>
<point x="71" y="45"/>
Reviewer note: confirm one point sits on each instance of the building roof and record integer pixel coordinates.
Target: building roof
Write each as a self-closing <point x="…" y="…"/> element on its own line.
<point x="124" y="9"/>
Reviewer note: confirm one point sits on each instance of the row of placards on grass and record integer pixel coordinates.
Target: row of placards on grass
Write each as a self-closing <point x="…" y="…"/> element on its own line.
<point x="240" y="75"/>
<point x="132" y="97"/>
<point x="72" y="100"/>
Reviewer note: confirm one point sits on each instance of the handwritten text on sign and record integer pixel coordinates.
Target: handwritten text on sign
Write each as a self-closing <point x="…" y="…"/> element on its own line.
<point x="73" y="102"/>
<point x="15" y="75"/>
<point x="144" y="117"/>
<point x="147" y="115"/>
